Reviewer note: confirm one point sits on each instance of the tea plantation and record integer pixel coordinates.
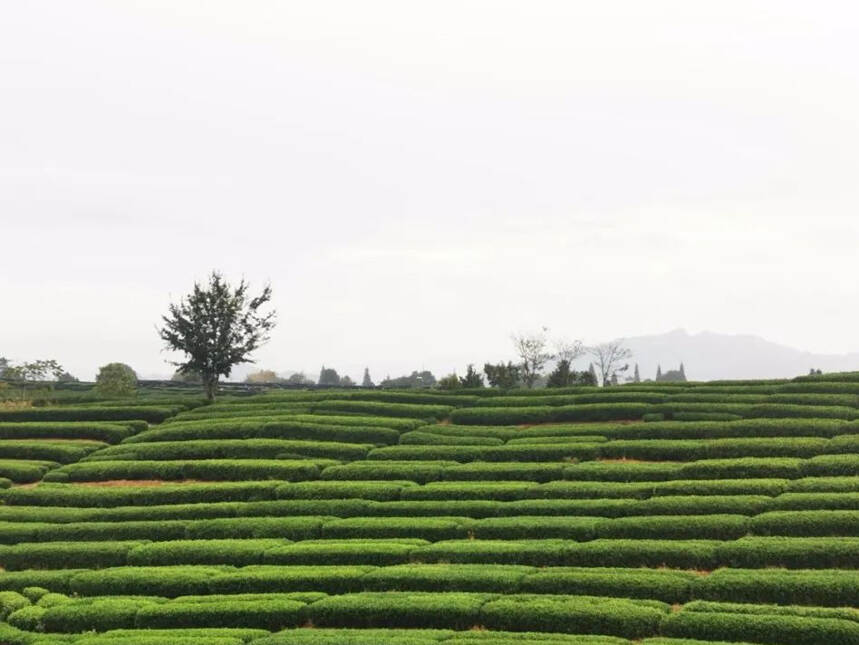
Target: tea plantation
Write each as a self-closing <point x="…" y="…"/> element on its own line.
<point x="654" y="513"/>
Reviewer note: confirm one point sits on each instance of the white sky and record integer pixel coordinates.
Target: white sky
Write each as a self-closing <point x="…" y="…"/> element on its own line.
<point x="419" y="179"/>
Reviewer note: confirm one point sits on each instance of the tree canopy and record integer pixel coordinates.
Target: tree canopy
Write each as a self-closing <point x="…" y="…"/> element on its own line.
<point x="217" y="327"/>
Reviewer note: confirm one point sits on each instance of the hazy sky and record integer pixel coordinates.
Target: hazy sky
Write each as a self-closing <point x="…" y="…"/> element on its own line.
<point x="419" y="179"/>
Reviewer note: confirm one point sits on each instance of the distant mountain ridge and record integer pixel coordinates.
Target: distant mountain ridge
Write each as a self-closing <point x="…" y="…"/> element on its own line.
<point x="707" y="356"/>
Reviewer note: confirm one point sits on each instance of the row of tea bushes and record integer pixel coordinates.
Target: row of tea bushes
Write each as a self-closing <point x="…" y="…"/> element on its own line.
<point x="811" y="493"/>
<point x="748" y="552"/>
<point x="590" y="614"/>
<point x="209" y="469"/>
<point x="271" y="428"/>
<point x="94" y="430"/>
<point x="150" y="414"/>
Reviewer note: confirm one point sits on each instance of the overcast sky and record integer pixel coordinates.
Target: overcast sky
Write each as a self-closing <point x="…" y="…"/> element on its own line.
<point x="419" y="179"/>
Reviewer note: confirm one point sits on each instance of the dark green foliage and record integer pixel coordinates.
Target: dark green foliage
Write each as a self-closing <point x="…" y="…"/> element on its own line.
<point x="64" y="452"/>
<point x="274" y="579"/>
<point x="806" y="523"/>
<point x="675" y="527"/>
<point x="623" y="471"/>
<point x="764" y="628"/>
<point x="660" y="584"/>
<point x="444" y="577"/>
<point x="546" y="414"/>
<point x="478" y="471"/>
<point x="593" y="615"/>
<point x="790" y="552"/>
<point x="401" y="527"/>
<point x="151" y="414"/>
<point x="420" y="437"/>
<point x="343" y="552"/>
<point x="825" y="587"/>
<point x="334" y="489"/>
<point x="446" y="610"/>
<point x="59" y="555"/>
<point x="269" y="612"/>
<point x="107" y="432"/>
<point x="181" y="552"/>
<point x="380" y="470"/>
<point x="234" y="449"/>
<point x="210" y="469"/>
<point x="96" y="496"/>
<point x="374" y="408"/>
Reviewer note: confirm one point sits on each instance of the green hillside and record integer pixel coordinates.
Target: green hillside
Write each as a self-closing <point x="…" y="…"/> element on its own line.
<point x="655" y="513"/>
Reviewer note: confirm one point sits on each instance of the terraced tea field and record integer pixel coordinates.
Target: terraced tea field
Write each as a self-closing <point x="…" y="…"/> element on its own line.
<point x="649" y="513"/>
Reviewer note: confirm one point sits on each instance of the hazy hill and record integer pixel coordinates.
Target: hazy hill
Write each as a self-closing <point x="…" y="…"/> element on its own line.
<point x="708" y="356"/>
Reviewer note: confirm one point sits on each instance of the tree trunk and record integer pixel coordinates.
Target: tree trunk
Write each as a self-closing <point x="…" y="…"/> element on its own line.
<point x="211" y="385"/>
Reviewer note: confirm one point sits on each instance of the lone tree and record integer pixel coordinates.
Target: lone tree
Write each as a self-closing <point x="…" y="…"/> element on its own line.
<point x="217" y="327"/>
<point x="608" y="357"/>
<point x="531" y="348"/>
<point x="116" y="380"/>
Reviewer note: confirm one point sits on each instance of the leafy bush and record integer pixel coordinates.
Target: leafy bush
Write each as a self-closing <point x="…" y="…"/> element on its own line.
<point x="806" y="523"/>
<point x="594" y="615"/>
<point x="107" y="432"/>
<point x="779" y="630"/>
<point x="789" y="552"/>
<point x="546" y="414"/>
<point x="824" y="587"/>
<point x="447" y="610"/>
<point x="153" y="414"/>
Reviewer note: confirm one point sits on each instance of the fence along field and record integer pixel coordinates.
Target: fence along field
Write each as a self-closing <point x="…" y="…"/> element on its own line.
<point x="701" y="513"/>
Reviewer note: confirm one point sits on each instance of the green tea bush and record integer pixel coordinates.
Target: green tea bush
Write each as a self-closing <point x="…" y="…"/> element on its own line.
<point x="498" y="491"/>
<point x="62" y="453"/>
<point x="210" y="469"/>
<point x="447" y="577"/>
<point x="413" y="410"/>
<point x="426" y="528"/>
<point x="674" y="527"/>
<point x="235" y="449"/>
<point x="593" y="615"/>
<point x="60" y="555"/>
<point x="269" y="428"/>
<point x="446" y="610"/>
<point x="489" y="471"/>
<point x="106" y="432"/>
<point x="335" y="489"/>
<point x="547" y="414"/>
<point x="751" y="467"/>
<point x="816" y="502"/>
<point x="97" y="496"/>
<point x="659" y="584"/>
<point x="167" y="581"/>
<point x="181" y="552"/>
<point x="458" y="453"/>
<point x="421" y="437"/>
<point x="25" y="472"/>
<point x="532" y="528"/>
<point x="690" y="450"/>
<point x="831" y="466"/>
<point x="623" y="471"/>
<point x="421" y="472"/>
<point x="149" y="414"/>
<point x="823" y="587"/>
<point x="806" y="523"/>
<point x="789" y="552"/>
<point x="342" y="552"/>
<point x="11" y="601"/>
<point x="269" y="613"/>
<point x="278" y="579"/>
<point x="778" y="630"/>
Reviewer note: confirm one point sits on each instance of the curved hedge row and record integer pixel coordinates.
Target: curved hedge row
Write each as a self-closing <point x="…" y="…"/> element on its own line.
<point x="150" y="414"/>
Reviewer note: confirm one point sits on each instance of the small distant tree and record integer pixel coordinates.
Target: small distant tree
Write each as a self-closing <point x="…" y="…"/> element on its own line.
<point x="472" y="378"/>
<point x="608" y="358"/>
<point x="298" y="378"/>
<point x="328" y="376"/>
<point x="424" y="378"/>
<point x="217" y="327"/>
<point x="564" y="376"/>
<point x="367" y="381"/>
<point x="263" y="376"/>
<point x="449" y="382"/>
<point x="531" y="349"/>
<point x="346" y="381"/>
<point x="636" y="377"/>
<point x="27" y="375"/>
<point x="116" y="380"/>
<point x="501" y="375"/>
